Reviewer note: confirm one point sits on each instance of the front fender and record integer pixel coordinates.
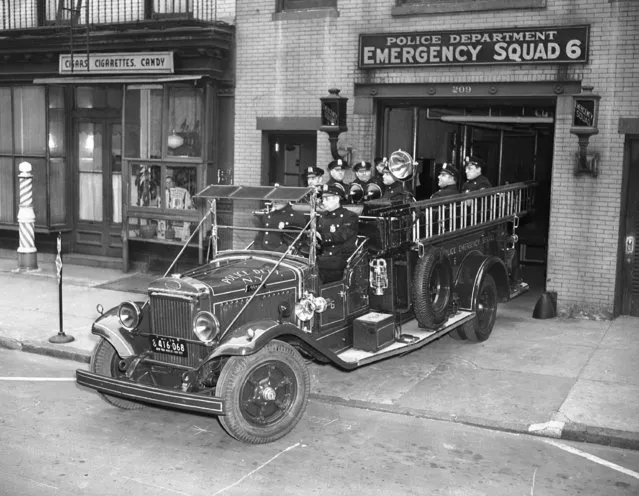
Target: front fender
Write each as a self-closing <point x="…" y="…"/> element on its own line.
<point x="252" y="337"/>
<point x="108" y="326"/>
<point x="471" y="271"/>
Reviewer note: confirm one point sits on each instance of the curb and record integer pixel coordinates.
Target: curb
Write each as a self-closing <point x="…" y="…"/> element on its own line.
<point x="46" y="348"/>
<point x="571" y="431"/>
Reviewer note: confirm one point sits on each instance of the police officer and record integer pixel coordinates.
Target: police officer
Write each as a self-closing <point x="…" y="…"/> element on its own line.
<point x="475" y="180"/>
<point x="447" y="181"/>
<point x="313" y="176"/>
<point x="365" y="186"/>
<point x="337" y="234"/>
<point x="337" y="171"/>
<point x="281" y="217"/>
<point x="394" y="189"/>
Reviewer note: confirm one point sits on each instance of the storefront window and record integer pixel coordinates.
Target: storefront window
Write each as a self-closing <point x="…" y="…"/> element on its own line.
<point x="145" y="182"/>
<point x="143" y="118"/>
<point x="29" y="120"/>
<point x="5" y="121"/>
<point x="185" y="122"/>
<point x="92" y="97"/>
<point x="160" y="229"/>
<point x="179" y="185"/>
<point x="56" y="121"/>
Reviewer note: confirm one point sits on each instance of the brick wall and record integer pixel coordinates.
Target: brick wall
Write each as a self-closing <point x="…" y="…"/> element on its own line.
<point x="284" y="66"/>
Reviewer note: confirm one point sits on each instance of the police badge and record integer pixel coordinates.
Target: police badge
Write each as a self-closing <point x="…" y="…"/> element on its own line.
<point x="281" y="225"/>
<point x="333" y="228"/>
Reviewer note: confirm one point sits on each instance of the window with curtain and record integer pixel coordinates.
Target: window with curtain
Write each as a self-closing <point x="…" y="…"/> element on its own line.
<point x="185" y="122"/>
<point x="283" y="5"/>
<point x="29" y="120"/>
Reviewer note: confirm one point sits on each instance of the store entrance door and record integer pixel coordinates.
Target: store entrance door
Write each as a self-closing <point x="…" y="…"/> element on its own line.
<point x="630" y="235"/>
<point x="98" y="179"/>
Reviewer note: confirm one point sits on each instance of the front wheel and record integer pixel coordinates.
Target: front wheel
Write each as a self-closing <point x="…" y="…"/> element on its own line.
<point x="480" y="328"/>
<point x="265" y="394"/>
<point x="106" y="361"/>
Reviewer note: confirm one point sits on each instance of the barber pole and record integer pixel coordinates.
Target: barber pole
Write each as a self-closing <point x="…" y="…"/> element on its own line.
<point x="27" y="253"/>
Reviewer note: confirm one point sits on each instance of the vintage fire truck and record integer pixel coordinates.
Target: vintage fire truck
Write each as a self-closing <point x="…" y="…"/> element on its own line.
<point x="233" y="337"/>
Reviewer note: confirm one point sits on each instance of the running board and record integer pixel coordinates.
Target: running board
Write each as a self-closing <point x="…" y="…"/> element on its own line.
<point x="519" y="288"/>
<point x="412" y="340"/>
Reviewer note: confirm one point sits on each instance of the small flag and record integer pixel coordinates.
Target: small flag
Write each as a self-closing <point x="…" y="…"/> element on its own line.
<point x="58" y="258"/>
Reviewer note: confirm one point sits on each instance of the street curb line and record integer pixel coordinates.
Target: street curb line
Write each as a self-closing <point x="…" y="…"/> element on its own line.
<point x="48" y="349"/>
<point x="570" y="431"/>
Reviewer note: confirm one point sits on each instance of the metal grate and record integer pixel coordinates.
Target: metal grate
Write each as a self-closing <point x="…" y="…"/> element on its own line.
<point x="172" y="317"/>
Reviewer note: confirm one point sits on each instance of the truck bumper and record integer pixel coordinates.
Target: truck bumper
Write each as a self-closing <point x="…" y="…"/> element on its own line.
<point x="150" y="394"/>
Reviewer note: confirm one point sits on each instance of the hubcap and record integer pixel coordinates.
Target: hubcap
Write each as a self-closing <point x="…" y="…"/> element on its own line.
<point x="268" y="393"/>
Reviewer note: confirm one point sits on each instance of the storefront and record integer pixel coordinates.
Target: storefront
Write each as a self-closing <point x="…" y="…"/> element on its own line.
<point x="433" y="82"/>
<point x="119" y="138"/>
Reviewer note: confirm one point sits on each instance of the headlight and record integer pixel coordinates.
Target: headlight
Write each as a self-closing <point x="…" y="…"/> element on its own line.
<point x="308" y="305"/>
<point x="205" y="326"/>
<point x="130" y="315"/>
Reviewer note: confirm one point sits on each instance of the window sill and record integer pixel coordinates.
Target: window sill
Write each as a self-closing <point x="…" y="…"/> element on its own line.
<point x="297" y="15"/>
<point x="457" y="6"/>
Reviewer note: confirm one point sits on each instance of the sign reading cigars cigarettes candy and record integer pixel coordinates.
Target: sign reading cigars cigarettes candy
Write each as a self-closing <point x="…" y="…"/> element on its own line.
<point x="563" y="44"/>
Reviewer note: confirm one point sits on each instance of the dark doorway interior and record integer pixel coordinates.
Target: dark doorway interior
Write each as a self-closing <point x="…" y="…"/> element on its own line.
<point x="289" y="154"/>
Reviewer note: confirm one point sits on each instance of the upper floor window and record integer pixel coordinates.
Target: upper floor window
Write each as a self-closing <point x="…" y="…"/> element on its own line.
<point x="283" y="5"/>
<point x="419" y="7"/>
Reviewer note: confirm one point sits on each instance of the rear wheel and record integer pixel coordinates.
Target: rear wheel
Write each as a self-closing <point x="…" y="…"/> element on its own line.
<point x="432" y="287"/>
<point x="265" y="394"/>
<point x="479" y="329"/>
<point x="106" y="361"/>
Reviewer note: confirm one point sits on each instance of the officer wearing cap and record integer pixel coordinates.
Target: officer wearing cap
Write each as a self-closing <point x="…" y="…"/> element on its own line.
<point x="475" y="180"/>
<point x="365" y="186"/>
<point x="337" y="170"/>
<point x="394" y="189"/>
<point x="447" y="181"/>
<point x="337" y="234"/>
<point x="282" y="217"/>
<point x="313" y="176"/>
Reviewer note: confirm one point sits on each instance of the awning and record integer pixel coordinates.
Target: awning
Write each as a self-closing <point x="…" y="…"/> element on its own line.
<point x="137" y="79"/>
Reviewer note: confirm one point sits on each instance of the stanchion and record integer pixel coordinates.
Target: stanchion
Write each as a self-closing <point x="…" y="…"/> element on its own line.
<point x="27" y="253"/>
<point x="61" y="337"/>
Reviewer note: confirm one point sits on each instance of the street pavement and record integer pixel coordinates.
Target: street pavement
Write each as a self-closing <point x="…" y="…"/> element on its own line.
<point x="562" y="378"/>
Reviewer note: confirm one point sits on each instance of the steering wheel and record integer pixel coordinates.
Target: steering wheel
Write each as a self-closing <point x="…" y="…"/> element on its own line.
<point x="302" y="247"/>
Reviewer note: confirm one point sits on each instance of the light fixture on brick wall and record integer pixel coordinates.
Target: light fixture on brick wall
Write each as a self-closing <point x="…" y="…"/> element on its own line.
<point x="333" y="121"/>
<point x="585" y="111"/>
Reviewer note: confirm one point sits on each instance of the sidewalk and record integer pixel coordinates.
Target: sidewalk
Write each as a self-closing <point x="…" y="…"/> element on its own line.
<point x="562" y="378"/>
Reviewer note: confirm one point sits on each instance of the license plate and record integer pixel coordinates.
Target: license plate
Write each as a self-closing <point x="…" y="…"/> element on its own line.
<point x="171" y="346"/>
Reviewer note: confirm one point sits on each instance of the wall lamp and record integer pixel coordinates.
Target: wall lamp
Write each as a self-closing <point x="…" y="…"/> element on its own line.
<point x="585" y="111"/>
<point x="334" y="118"/>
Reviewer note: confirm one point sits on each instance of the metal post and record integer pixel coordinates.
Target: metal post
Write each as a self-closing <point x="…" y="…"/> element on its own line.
<point x="61" y="337"/>
<point x="27" y="253"/>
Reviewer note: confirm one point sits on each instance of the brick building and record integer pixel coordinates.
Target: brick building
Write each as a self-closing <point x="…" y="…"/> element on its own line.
<point x="447" y="78"/>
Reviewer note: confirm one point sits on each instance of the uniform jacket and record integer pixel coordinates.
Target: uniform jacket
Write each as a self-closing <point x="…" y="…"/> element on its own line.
<point x="446" y="191"/>
<point x="284" y="218"/>
<point x="480" y="182"/>
<point x="397" y="192"/>
<point x="339" y="232"/>
<point x="332" y="180"/>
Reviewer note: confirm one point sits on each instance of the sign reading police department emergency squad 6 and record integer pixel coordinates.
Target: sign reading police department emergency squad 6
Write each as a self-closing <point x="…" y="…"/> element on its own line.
<point x="564" y="44"/>
<point x="117" y="63"/>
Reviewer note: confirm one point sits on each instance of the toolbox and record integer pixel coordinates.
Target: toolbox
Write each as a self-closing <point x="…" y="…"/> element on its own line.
<point x="373" y="331"/>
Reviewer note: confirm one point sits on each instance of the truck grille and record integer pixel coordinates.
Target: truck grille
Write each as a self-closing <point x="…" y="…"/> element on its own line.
<point x="172" y="317"/>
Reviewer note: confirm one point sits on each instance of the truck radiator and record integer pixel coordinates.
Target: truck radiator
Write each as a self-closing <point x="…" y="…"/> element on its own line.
<point x="172" y="317"/>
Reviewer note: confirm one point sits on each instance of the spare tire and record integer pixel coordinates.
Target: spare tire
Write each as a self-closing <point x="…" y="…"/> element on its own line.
<point x="432" y="287"/>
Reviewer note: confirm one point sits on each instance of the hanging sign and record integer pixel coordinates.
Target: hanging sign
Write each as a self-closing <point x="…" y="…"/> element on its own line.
<point x="563" y="44"/>
<point x="117" y="63"/>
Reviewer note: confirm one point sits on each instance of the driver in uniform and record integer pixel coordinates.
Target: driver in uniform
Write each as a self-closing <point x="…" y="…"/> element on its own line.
<point x="337" y="234"/>
<point x="281" y="217"/>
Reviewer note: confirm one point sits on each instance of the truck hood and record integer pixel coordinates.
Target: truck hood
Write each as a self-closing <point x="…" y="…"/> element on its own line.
<point x="233" y="275"/>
